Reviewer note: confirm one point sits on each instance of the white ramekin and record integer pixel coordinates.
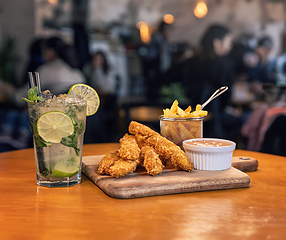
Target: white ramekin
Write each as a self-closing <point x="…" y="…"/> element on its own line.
<point x="210" y="158"/>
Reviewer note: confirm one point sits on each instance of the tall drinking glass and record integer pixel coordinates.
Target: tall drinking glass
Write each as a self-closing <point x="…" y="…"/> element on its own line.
<point x="58" y="164"/>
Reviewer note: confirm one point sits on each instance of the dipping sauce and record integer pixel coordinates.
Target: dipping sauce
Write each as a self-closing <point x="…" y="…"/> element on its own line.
<point x="209" y="143"/>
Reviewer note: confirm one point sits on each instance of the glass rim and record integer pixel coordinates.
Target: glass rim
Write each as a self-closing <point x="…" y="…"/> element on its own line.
<point x="54" y="104"/>
<point x="181" y="118"/>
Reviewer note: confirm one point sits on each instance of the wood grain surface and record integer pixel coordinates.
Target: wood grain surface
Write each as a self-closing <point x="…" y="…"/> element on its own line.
<point x="84" y="211"/>
<point x="170" y="181"/>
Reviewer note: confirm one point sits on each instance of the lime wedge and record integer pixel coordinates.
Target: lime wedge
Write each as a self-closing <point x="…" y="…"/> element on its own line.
<point x="89" y="94"/>
<point x="53" y="126"/>
<point x="65" y="169"/>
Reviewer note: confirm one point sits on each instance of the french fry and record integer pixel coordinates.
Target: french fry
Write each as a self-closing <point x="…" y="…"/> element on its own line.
<point x="174" y="106"/>
<point x="178" y="131"/>
<point x="194" y="129"/>
<point x="184" y="133"/>
<point x="203" y="113"/>
<point x="199" y="113"/>
<point x="188" y="109"/>
<point x="198" y="107"/>
<point x="193" y="114"/>
<point x="165" y="131"/>
<point x="176" y="111"/>
<point x="196" y="124"/>
<point x="198" y="134"/>
<point x="175" y="136"/>
<point x="169" y="113"/>
<point x="181" y="112"/>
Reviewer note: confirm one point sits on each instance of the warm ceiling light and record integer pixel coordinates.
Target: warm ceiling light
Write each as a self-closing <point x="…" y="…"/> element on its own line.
<point x="201" y="10"/>
<point x="145" y="34"/>
<point x="53" y="1"/>
<point x="139" y="24"/>
<point x="168" y="18"/>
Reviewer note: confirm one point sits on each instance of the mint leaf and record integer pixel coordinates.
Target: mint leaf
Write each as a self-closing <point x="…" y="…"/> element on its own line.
<point x="27" y="100"/>
<point x="46" y="173"/>
<point x="33" y="95"/>
<point x="71" y="141"/>
<point x="40" y="99"/>
<point x="79" y="127"/>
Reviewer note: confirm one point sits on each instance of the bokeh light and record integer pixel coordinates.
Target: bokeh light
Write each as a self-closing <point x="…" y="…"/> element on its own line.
<point x="145" y="34"/>
<point x="201" y="10"/>
<point x="169" y="18"/>
<point x="53" y="1"/>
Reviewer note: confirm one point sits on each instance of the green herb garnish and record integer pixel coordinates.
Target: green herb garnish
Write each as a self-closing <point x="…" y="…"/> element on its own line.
<point x="33" y="95"/>
<point x="71" y="141"/>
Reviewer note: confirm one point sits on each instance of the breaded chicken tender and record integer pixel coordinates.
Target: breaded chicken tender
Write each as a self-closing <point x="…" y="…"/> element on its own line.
<point x="123" y="161"/>
<point x="166" y="149"/>
<point x="138" y="128"/>
<point x="113" y="165"/>
<point x="129" y="149"/>
<point x="107" y="161"/>
<point x="122" y="167"/>
<point x="140" y="140"/>
<point x="151" y="160"/>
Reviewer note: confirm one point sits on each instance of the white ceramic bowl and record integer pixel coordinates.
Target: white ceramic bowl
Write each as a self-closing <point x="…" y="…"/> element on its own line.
<point x="211" y="158"/>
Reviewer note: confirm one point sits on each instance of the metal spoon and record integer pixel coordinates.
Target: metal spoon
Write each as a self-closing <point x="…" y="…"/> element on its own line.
<point x="214" y="95"/>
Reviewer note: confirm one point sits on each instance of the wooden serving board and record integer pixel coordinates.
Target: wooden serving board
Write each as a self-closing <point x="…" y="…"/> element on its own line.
<point x="170" y="181"/>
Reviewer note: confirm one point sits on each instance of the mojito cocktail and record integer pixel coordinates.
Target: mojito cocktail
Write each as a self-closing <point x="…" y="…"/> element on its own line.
<point x="58" y="126"/>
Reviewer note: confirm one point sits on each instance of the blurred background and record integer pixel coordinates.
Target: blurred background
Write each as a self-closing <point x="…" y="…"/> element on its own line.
<point x="142" y="55"/>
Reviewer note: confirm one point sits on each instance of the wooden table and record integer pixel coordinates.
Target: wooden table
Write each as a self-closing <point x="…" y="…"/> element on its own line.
<point x="85" y="212"/>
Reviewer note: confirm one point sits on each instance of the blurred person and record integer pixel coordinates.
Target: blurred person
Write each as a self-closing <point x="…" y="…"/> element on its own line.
<point x="244" y="57"/>
<point x="209" y="70"/>
<point x="157" y="59"/>
<point x="55" y="74"/>
<point x="273" y="104"/>
<point x="181" y="53"/>
<point x="35" y="59"/>
<point x="14" y="127"/>
<point x="172" y="80"/>
<point x="101" y="75"/>
<point x="263" y="71"/>
<point x="104" y="78"/>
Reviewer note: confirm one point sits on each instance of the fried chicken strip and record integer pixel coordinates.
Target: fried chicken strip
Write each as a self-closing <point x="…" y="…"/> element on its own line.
<point x="138" y="128"/>
<point x="113" y="165"/>
<point x="152" y="162"/>
<point x="123" y="161"/>
<point x="107" y="161"/>
<point x="166" y="149"/>
<point x="129" y="149"/>
<point x="122" y="167"/>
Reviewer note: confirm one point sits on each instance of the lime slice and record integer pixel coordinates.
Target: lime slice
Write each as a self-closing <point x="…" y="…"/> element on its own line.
<point x="65" y="169"/>
<point x="89" y="94"/>
<point x="53" y="126"/>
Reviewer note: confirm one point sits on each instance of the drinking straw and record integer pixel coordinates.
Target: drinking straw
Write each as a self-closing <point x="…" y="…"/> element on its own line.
<point x="40" y="154"/>
<point x="38" y="83"/>
<point x="31" y="79"/>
